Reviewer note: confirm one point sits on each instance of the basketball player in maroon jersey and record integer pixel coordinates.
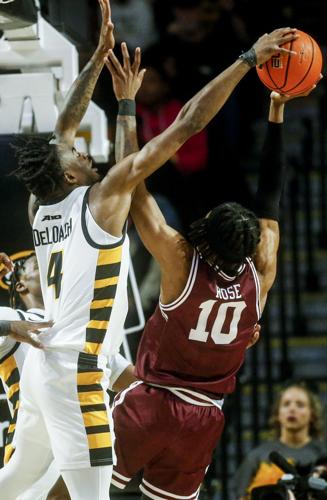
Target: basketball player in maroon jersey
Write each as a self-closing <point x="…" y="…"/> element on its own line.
<point x="214" y="286"/>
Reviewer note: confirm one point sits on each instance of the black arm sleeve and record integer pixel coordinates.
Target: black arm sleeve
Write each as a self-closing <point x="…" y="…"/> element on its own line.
<point x="271" y="174"/>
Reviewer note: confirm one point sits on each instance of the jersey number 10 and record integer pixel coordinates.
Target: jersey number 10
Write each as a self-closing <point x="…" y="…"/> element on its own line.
<point x="200" y="332"/>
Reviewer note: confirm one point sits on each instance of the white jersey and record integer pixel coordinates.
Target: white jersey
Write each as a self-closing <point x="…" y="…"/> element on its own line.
<point x="12" y="358"/>
<point x="83" y="272"/>
<point x="13" y="353"/>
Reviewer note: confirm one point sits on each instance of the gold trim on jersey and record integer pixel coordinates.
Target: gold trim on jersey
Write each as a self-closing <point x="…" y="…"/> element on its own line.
<point x="10" y="436"/>
<point x="9" y="450"/>
<point x="105" y="288"/>
<point x="109" y="256"/>
<point x="9" y="373"/>
<point x="7" y="367"/>
<point x="98" y="304"/>
<point x="13" y="388"/>
<point x="94" y="411"/>
<point x="106" y="282"/>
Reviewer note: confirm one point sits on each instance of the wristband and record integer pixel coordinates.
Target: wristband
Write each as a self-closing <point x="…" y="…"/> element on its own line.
<point x="4" y="328"/>
<point x="126" y="107"/>
<point x="249" y="57"/>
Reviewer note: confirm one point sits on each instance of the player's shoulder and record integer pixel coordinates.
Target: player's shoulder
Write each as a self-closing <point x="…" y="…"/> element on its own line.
<point x="8" y="314"/>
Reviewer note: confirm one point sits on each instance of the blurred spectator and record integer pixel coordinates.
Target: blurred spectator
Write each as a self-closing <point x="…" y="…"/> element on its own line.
<point x="134" y="23"/>
<point x="297" y="424"/>
<point x="156" y="110"/>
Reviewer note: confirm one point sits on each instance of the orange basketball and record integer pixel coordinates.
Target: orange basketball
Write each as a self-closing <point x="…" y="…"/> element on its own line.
<point x="293" y="74"/>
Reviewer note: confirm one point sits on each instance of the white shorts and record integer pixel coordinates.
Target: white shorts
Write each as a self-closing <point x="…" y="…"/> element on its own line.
<point x="64" y="406"/>
<point x="40" y="489"/>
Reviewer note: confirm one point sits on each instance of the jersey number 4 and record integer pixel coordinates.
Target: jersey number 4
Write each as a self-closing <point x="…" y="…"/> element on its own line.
<point x="54" y="272"/>
<point x="200" y="332"/>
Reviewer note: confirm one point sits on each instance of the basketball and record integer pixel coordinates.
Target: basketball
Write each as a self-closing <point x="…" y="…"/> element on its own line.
<point x="293" y="74"/>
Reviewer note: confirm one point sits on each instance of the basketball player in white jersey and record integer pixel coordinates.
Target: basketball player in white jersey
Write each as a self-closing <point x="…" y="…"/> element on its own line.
<point x="82" y="251"/>
<point x="25" y="315"/>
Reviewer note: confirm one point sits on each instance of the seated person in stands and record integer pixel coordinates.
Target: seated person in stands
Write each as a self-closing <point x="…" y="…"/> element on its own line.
<point x="297" y="425"/>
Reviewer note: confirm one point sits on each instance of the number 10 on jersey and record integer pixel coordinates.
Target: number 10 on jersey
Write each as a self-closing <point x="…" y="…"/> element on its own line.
<point x="200" y="332"/>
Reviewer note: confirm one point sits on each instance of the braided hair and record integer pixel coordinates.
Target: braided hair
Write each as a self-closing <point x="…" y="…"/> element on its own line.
<point x="15" y="300"/>
<point x="228" y="235"/>
<point x="38" y="164"/>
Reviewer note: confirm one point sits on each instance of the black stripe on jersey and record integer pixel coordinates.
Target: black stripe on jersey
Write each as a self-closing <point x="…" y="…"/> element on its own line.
<point x="10" y="353"/>
<point x="92" y="408"/>
<point x="97" y="429"/>
<point x="24" y="314"/>
<point x="107" y="271"/>
<point x="86" y="233"/>
<point x="101" y="314"/>
<point x="101" y="456"/>
<point x="41" y="316"/>
<point x="14" y="417"/>
<point x="89" y="388"/>
<point x="88" y="368"/>
<point x="14" y="398"/>
<point x="13" y="377"/>
<point x="9" y="437"/>
<point x="21" y="315"/>
<point x="95" y="335"/>
<point x="86" y="360"/>
<point x="107" y="292"/>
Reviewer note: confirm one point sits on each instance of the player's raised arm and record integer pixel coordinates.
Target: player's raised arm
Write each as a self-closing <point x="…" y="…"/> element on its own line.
<point x="270" y="185"/>
<point x="158" y="237"/>
<point x="193" y="117"/>
<point x="116" y="189"/>
<point x="80" y="94"/>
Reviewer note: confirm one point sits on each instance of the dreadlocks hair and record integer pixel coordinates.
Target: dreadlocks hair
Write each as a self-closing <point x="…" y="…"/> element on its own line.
<point x="224" y="238"/>
<point x="15" y="300"/>
<point x="38" y="164"/>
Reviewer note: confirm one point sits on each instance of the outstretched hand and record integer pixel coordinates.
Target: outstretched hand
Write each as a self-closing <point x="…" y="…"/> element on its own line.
<point x="106" y="40"/>
<point x="272" y="43"/>
<point x="27" y="331"/>
<point x="283" y="98"/>
<point x="6" y="265"/>
<point x="126" y="78"/>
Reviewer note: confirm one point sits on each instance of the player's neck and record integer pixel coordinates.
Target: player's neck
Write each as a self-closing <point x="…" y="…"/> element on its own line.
<point x="59" y="194"/>
<point x="295" y="439"/>
<point x="32" y="302"/>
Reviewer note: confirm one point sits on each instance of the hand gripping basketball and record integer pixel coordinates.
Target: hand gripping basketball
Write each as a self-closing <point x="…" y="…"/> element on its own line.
<point x="293" y="74"/>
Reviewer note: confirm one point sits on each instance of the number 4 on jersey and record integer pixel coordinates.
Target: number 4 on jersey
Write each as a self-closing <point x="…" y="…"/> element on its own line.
<point x="200" y="332"/>
<point x="54" y="272"/>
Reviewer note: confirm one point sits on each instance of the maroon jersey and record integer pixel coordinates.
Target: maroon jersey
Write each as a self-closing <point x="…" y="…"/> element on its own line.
<point x="199" y="340"/>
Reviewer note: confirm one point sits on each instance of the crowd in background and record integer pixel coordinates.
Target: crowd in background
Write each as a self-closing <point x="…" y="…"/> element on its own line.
<point x="184" y="44"/>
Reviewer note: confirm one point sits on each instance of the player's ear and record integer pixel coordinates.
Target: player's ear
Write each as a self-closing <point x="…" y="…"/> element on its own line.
<point x="70" y="178"/>
<point x="20" y="287"/>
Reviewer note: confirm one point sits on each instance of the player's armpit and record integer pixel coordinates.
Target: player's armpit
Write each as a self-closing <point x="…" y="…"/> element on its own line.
<point x="125" y="379"/>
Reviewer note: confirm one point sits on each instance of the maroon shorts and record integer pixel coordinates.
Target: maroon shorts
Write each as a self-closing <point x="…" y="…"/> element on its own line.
<point x="170" y="439"/>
